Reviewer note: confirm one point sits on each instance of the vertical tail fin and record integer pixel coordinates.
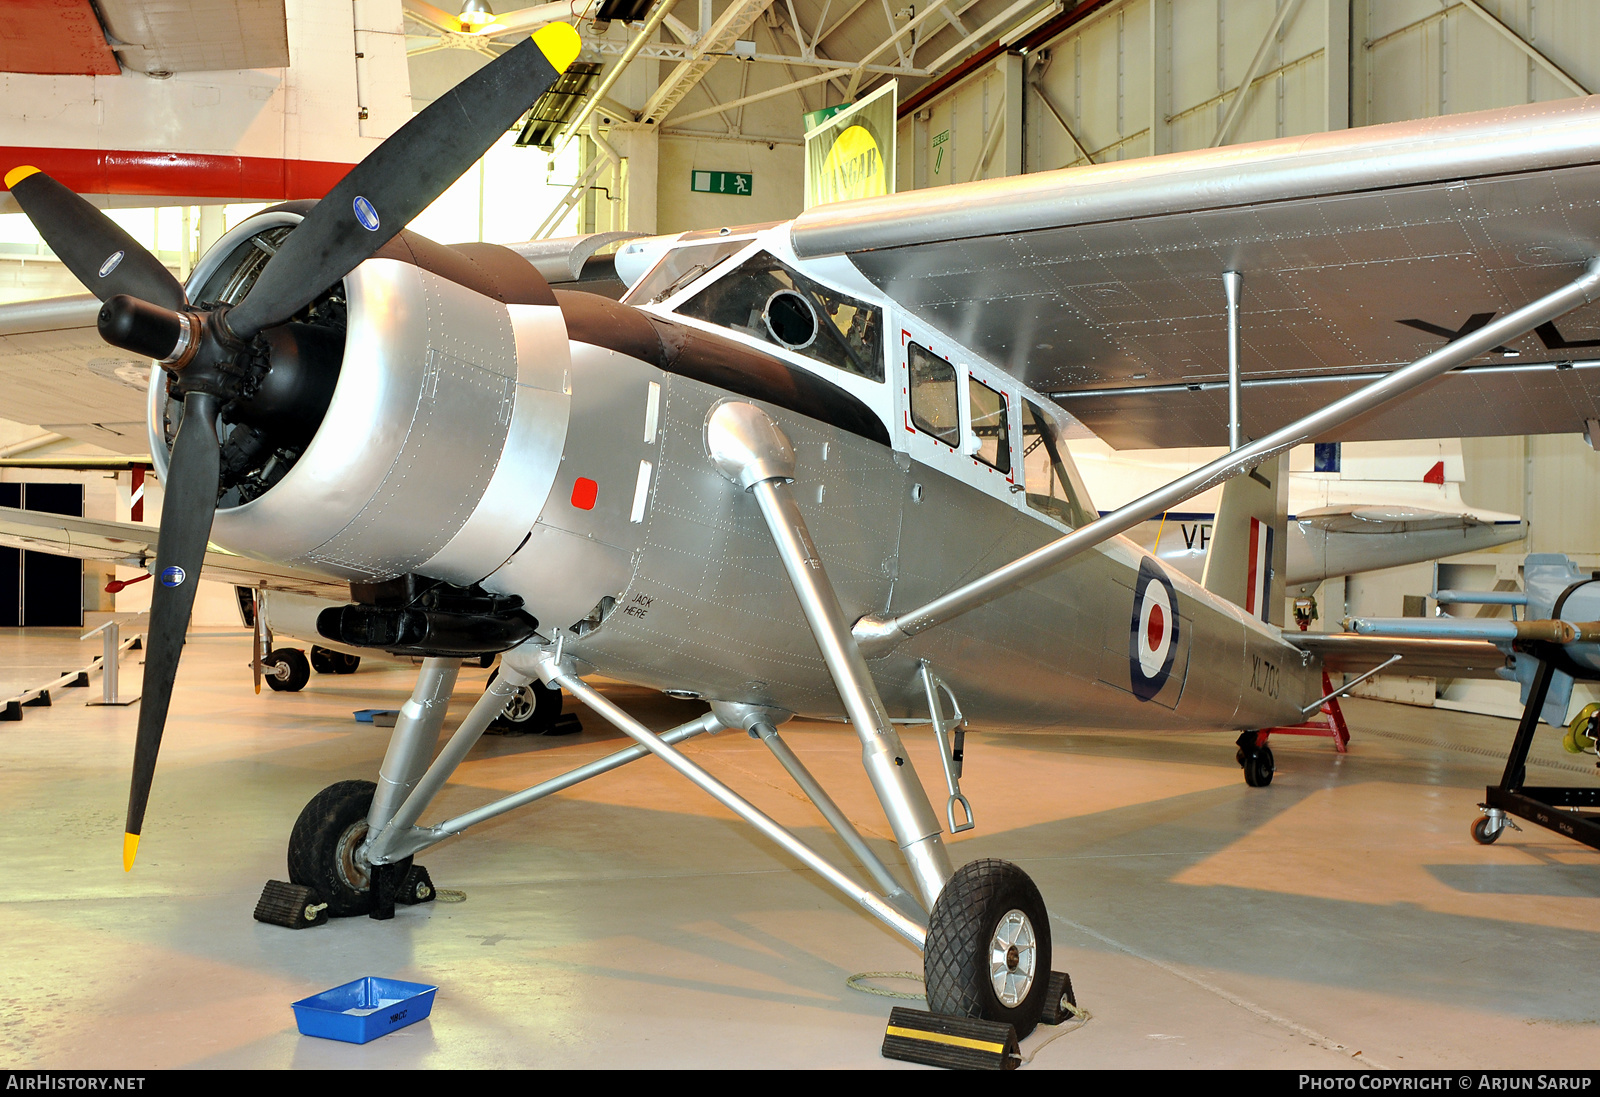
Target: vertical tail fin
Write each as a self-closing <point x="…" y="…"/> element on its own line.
<point x="1249" y="548"/>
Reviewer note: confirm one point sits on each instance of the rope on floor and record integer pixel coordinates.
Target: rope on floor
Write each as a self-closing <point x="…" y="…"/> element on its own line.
<point x="858" y="981"/>
<point x="449" y="895"/>
<point x="1080" y="1017"/>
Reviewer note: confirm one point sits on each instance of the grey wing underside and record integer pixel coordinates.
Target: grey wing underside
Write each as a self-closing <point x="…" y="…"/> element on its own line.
<point x="133" y="544"/>
<point x="1102" y="285"/>
<point x="56" y="372"/>
<point x="1345" y="652"/>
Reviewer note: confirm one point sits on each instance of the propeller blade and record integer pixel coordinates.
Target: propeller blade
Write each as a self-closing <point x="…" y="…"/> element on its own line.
<point x="402" y="177"/>
<point x="255" y="620"/>
<point x="186" y="513"/>
<point x="94" y="247"/>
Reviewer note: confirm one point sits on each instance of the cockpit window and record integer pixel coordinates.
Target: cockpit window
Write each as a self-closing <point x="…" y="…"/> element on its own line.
<point x="678" y="268"/>
<point x="1053" y="485"/>
<point x="766" y="300"/>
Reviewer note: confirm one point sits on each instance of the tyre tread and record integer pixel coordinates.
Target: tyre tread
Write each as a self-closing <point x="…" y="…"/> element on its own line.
<point x="955" y="975"/>
<point x="316" y="832"/>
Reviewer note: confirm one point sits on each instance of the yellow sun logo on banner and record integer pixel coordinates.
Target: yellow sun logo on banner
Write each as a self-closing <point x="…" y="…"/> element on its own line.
<point x="854" y="168"/>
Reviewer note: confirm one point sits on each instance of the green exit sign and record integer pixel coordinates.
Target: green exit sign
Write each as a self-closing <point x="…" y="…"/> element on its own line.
<point x="721" y="182"/>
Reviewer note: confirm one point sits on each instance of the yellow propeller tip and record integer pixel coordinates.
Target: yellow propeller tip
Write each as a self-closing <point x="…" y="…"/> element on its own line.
<point x="17" y="175"/>
<point x="130" y="850"/>
<point x="559" y="43"/>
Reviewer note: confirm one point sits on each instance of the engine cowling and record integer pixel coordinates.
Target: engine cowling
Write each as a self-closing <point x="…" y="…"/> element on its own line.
<point x="433" y="450"/>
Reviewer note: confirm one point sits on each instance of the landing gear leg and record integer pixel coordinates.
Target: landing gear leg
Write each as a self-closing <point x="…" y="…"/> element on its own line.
<point x="1255" y="758"/>
<point x="750" y="449"/>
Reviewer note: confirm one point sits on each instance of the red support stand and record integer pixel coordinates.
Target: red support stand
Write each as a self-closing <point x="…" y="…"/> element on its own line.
<point x="1333" y="728"/>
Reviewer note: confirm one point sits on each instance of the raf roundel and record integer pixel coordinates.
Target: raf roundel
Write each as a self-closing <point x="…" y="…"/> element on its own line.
<point x="366" y="213"/>
<point x="173" y="576"/>
<point x="1153" y="632"/>
<point x="111" y="263"/>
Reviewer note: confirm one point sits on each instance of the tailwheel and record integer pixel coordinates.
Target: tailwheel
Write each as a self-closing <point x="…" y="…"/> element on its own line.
<point x="325" y="844"/>
<point x="988" y="948"/>
<point x="1256" y="761"/>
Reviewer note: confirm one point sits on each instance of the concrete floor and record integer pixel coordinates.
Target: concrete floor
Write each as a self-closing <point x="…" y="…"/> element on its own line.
<point x="1340" y="917"/>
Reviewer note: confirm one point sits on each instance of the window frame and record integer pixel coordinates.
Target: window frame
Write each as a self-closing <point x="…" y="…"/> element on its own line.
<point x="955" y="383"/>
<point x="975" y="448"/>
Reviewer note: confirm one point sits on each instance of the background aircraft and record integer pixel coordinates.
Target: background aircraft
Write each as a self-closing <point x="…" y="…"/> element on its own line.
<point x="1363" y="506"/>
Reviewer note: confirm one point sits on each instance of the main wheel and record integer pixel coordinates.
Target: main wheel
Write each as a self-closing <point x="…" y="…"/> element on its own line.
<point x="1259" y="767"/>
<point x="988" y="948"/>
<point x="323" y="846"/>
<point x="299" y="670"/>
<point x="532" y="710"/>
<point x="1482" y="834"/>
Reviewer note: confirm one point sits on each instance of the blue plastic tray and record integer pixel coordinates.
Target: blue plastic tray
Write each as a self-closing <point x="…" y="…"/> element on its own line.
<point x="364" y="1010"/>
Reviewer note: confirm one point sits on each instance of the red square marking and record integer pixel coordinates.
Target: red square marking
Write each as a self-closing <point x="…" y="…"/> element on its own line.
<point x="583" y="493"/>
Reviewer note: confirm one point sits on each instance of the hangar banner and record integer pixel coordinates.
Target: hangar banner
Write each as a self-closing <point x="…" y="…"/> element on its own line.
<point x="851" y="154"/>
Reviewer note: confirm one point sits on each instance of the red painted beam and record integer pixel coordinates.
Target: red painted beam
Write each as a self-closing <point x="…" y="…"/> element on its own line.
<point x="54" y="38"/>
<point x="174" y="174"/>
<point x="1033" y="41"/>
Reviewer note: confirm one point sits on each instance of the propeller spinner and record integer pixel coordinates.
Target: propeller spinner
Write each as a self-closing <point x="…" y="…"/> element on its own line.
<point x="215" y="358"/>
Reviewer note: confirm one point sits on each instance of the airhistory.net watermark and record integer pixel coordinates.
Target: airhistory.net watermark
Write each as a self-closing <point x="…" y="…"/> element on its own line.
<point x="49" y="1080"/>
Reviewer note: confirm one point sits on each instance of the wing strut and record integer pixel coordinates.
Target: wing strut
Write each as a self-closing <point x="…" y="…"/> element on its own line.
<point x="879" y="633"/>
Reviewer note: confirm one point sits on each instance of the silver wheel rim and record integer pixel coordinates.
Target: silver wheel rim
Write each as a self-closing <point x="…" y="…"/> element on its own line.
<point x="352" y="870"/>
<point x="1012" y="956"/>
<point x="519" y="708"/>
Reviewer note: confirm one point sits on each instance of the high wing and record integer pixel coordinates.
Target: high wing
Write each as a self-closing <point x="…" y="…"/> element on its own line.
<point x="1347" y="653"/>
<point x="1396" y="518"/>
<point x="1360" y="250"/>
<point x="133" y="544"/>
<point x="57" y="372"/>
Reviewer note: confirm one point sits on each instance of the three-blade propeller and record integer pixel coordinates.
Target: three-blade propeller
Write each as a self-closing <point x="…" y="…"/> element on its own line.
<point x="145" y="311"/>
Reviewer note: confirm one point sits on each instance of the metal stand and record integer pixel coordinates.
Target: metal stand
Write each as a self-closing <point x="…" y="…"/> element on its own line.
<point x="751" y="450"/>
<point x="1546" y="806"/>
<point x="111" y="632"/>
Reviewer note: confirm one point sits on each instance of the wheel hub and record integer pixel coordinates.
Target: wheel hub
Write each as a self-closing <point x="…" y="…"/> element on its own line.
<point x="1012" y="958"/>
<point x="519" y="708"/>
<point x="353" y="867"/>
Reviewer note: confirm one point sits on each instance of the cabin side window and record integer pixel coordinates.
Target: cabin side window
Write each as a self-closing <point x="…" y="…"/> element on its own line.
<point x="766" y="300"/>
<point x="988" y="410"/>
<point x="935" y="408"/>
<point x="1053" y="486"/>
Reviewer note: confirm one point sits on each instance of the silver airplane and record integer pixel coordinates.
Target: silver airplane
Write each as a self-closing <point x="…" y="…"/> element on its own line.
<point x="815" y="468"/>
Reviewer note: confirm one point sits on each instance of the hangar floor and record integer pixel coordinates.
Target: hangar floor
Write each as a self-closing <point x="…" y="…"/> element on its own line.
<point x="1340" y="917"/>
